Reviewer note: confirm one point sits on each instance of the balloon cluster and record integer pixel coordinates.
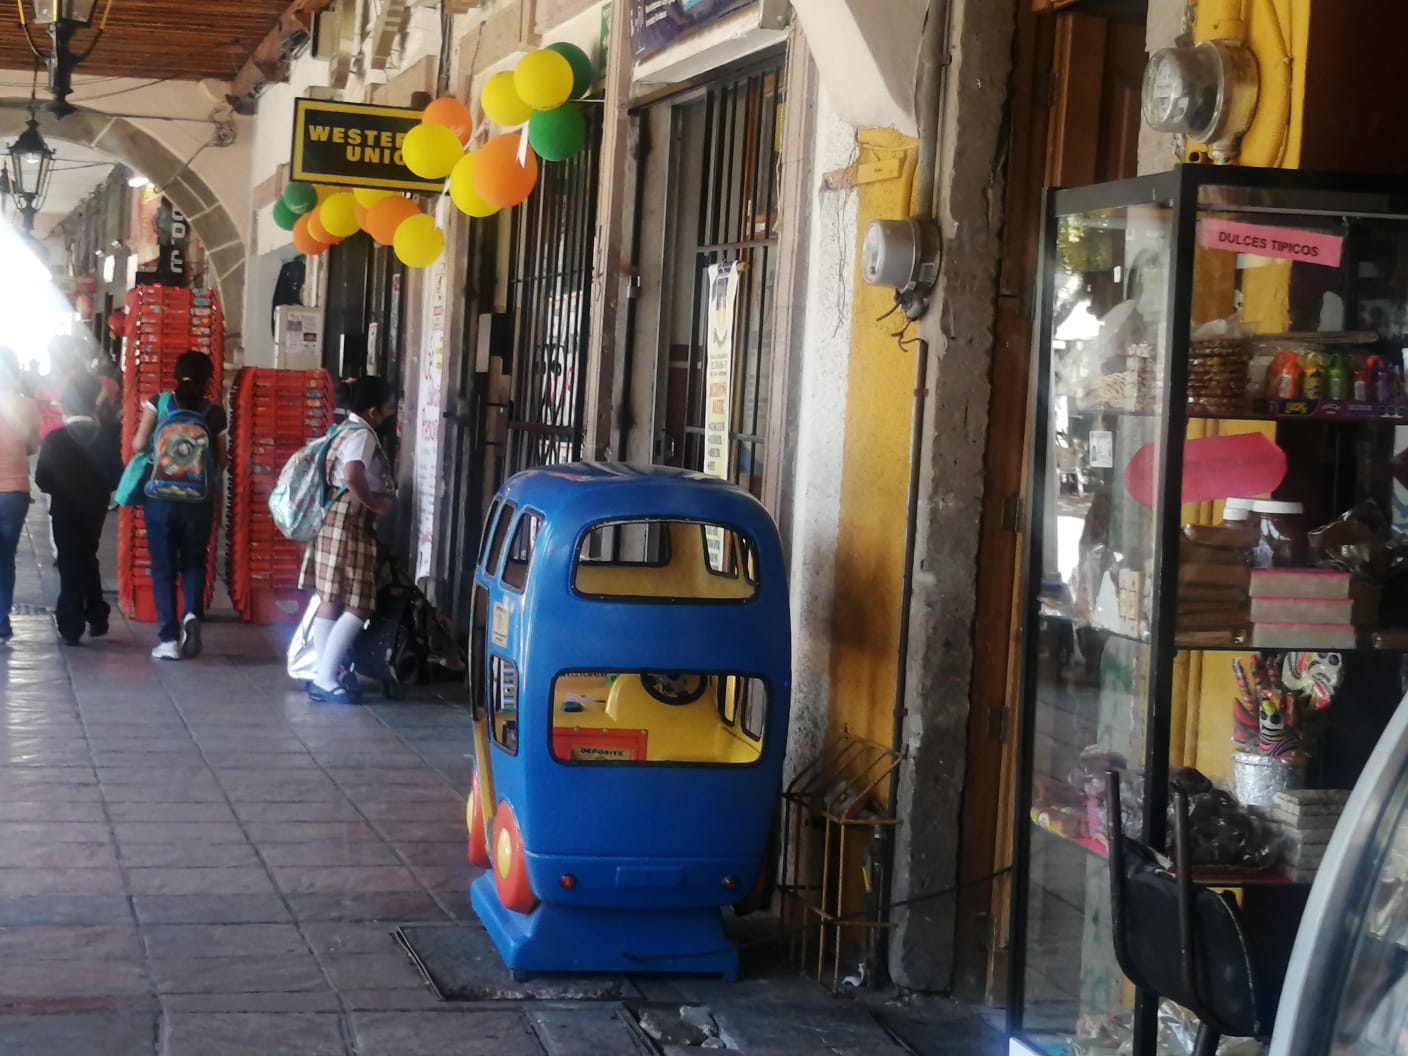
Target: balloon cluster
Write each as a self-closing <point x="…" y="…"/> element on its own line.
<point x="534" y="100"/>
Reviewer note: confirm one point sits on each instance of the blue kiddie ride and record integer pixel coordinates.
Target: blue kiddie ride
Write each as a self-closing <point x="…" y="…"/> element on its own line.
<point x="630" y="678"/>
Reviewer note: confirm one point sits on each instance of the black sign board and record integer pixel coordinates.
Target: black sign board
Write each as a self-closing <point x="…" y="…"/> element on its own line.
<point x="656" y="24"/>
<point x="353" y="145"/>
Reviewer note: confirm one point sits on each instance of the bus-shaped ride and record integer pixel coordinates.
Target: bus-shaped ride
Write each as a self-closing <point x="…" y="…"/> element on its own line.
<point x="630" y="677"/>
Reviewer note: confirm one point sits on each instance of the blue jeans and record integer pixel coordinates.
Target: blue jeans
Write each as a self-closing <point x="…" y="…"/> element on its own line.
<point x="13" y="507"/>
<point x="178" y="541"/>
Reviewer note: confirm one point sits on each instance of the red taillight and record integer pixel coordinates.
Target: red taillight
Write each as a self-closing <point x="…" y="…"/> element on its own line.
<point x="730" y="883"/>
<point x="568" y="881"/>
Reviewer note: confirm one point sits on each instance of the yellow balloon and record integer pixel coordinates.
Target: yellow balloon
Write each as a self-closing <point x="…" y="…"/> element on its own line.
<point x="543" y="79"/>
<point x="325" y="192"/>
<point x="431" y="151"/>
<point x="369" y="196"/>
<point x="462" y="191"/>
<point x="418" y="242"/>
<point x="339" y="215"/>
<point x="501" y="102"/>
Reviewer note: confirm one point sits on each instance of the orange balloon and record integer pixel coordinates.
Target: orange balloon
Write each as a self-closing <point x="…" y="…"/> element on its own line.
<point x="385" y="217"/>
<point x="362" y="216"/>
<point x="304" y="240"/>
<point x="498" y="177"/>
<point x="453" y="114"/>
<point x="318" y="231"/>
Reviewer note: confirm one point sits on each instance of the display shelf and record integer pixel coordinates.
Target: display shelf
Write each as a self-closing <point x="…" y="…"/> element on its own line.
<point x="1211" y="876"/>
<point x="1139" y="321"/>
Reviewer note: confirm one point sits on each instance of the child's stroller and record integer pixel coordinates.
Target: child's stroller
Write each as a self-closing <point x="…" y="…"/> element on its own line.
<point x="394" y="646"/>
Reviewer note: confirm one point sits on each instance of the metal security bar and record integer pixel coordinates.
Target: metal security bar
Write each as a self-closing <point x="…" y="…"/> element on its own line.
<point x="549" y="300"/>
<point x="740" y="121"/>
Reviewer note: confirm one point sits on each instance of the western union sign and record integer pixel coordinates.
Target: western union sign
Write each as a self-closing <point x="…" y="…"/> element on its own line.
<point x="354" y="145"/>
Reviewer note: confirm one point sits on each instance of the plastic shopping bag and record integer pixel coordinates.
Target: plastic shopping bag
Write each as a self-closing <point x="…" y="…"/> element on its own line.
<point x="302" y="657"/>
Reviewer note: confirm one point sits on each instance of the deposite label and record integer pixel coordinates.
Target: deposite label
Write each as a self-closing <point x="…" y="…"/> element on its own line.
<point x="1282" y="243"/>
<point x="498" y="632"/>
<point x="591" y="753"/>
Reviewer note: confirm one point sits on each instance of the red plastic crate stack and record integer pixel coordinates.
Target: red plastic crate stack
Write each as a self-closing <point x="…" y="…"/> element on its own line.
<point x="273" y="414"/>
<point x="162" y="323"/>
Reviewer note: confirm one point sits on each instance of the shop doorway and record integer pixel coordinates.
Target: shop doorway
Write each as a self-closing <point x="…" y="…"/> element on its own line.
<point x="707" y="260"/>
<point x="549" y="302"/>
<point x="1075" y="120"/>
<point x="517" y="396"/>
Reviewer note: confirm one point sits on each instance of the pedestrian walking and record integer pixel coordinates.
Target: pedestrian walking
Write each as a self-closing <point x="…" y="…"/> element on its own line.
<point x="340" y="564"/>
<point x="188" y="440"/>
<point x="19" y="438"/>
<point x="79" y="464"/>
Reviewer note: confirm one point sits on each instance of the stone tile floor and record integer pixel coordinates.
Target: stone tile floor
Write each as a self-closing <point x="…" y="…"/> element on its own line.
<point x="195" y="860"/>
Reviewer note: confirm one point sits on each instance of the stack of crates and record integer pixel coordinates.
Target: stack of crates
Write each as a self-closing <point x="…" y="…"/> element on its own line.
<point x="273" y="414"/>
<point x="163" y="322"/>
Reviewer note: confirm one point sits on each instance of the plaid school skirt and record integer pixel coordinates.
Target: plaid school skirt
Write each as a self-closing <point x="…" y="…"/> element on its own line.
<point x="340" y="565"/>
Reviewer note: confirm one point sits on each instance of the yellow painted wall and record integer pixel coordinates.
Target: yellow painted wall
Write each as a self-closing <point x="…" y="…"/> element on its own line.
<point x="875" y="475"/>
<point x="1276" y="30"/>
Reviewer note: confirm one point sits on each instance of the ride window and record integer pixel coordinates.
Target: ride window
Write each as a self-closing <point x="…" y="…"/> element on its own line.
<point x="702" y="718"/>
<point x="503" y="701"/>
<point x="496" y="544"/>
<point x="484" y="535"/>
<point x="520" y="552"/>
<point x="674" y="560"/>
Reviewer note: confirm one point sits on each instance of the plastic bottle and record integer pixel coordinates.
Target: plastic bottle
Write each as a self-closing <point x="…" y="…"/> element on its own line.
<point x="1283" y="377"/>
<point x="1337" y="377"/>
<point x="1312" y="382"/>
<point x="1364" y="380"/>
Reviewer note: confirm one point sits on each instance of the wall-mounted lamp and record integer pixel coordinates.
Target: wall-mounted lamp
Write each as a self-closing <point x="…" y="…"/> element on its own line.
<point x="63" y="19"/>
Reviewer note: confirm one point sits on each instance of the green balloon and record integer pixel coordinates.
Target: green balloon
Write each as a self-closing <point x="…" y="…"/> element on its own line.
<point x="283" y="215"/>
<point x="582" y="73"/>
<point x="300" y="197"/>
<point x="555" y="135"/>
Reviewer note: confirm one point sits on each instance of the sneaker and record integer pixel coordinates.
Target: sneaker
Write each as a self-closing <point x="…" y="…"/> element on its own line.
<point x="71" y="641"/>
<point x="167" y="651"/>
<point x="327" y="696"/>
<point x="98" y="630"/>
<point x="190" y="636"/>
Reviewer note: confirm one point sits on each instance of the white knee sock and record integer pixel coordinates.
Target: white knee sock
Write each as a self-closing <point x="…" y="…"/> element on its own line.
<point x="321" y="629"/>
<point x="340" y="638"/>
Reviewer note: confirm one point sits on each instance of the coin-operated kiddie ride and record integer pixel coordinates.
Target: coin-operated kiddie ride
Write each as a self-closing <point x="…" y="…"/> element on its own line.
<point x="630" y="679"/>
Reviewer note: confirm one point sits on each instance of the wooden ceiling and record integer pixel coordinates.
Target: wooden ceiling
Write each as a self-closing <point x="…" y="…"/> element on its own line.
<point x="156" y="39"/>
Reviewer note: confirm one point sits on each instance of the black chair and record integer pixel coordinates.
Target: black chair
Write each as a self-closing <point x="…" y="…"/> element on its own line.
<point x="1181" y="941"/>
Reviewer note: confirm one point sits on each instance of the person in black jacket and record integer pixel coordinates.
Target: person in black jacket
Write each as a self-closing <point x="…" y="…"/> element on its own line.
<point x="79" y="466"/>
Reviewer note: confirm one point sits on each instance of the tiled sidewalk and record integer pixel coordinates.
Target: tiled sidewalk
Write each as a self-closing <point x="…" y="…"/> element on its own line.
<point x="195" y="859"/>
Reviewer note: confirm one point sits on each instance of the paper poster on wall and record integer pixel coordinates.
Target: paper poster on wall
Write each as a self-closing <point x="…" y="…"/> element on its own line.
<point x="722" y="286"/>
<point x="429" y="400"/>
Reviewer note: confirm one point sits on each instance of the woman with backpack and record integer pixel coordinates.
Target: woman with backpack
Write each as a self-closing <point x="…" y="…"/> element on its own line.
<point x="187" y="434"/>
<point x="340" y="565"/>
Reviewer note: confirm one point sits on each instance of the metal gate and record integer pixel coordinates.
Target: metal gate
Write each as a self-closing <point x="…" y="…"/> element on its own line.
<point x="734" y="128"/>
<point x="550" y="275"/>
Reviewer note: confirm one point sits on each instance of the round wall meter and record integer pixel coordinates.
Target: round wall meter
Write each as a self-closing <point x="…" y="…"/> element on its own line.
<point x="1207" y="92"/>
<point x="899" y="253"/>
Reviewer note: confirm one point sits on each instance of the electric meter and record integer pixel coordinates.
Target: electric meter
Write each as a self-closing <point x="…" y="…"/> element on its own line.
<point x="1207" y="92"/>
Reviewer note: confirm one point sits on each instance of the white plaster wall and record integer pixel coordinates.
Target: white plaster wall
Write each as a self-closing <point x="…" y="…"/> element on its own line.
<point x="174" y="113"/>
<point x="820" y="440"/>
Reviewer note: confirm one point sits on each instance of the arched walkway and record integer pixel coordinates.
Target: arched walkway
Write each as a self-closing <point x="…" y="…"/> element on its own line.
<point x="142" y="152"/>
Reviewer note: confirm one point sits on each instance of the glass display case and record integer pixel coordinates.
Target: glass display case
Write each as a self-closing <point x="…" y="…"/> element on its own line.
<point x="1216" y="514"/>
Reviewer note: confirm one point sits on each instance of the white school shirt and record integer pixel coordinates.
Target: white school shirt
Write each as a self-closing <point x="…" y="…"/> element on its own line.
<point x="359" y="443"/>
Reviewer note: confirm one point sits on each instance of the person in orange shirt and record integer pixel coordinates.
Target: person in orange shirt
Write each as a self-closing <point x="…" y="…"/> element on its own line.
<point x="19" y="438"/>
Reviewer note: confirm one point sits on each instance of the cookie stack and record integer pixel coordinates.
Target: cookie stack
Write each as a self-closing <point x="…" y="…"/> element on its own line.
<point x="1217" y="375"/>
<point x="1306" y="818"/>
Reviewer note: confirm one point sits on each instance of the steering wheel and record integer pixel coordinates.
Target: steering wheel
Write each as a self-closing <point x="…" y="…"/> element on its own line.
<point x="674" y="687"/>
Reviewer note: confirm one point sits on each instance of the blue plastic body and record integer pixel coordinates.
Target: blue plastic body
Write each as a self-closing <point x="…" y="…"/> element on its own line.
<point x="654" y="850"/>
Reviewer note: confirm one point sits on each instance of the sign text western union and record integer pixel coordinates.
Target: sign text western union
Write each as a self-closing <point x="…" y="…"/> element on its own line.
<point x="354" y="145"/>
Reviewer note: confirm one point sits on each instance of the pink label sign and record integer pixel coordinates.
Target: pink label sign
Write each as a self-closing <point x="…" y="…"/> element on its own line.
<point x="1284" y="243"/>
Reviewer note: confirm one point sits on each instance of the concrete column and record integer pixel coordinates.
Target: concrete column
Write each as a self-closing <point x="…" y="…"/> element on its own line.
<point x="959" y="329"/>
